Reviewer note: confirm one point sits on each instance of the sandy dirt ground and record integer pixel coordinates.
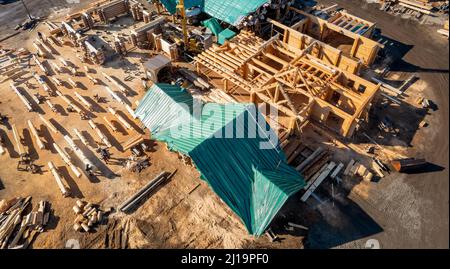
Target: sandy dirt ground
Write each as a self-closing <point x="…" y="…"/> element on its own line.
<point x="401" y="211"/>
<point x="411" y="210"/>
<point x="183" y="213"/>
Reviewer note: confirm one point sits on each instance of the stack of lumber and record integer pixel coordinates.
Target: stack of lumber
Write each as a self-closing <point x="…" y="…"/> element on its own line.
<point x="88" y="215"/>
<point x="11" y="67"/>
<point x="18" y="230"/>
<point x="317" y="179"/>
<point x="419" y="6"/>
<point x="134" y="200"/>
<point x="355" y="168"/>
<point x="311" y="165"/>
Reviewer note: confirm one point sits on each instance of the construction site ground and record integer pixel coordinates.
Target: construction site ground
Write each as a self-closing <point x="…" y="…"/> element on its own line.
<point x="400" y="210"/>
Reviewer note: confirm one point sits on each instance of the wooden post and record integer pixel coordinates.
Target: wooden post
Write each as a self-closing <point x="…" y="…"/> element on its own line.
<point x="292" y="123"/>
<point x="225" y="85"/>
<point x="49" y="124"/>
<point x="119" y="117"/>
<point x="84" y="101"/>
<point x="253" y="97"/>
<point x="102" y="137"/>
<point x="67" y="160"/>
<point x="18" y="140"/>
<point x="22" y="98"/>
<point x="36" y="135"/>
<point x="114" y="95"/>
<point x="65" y="192"/>
<point x="354" y="47"/>
<point x="80" y="154"/>
<point x="81" y="137"/>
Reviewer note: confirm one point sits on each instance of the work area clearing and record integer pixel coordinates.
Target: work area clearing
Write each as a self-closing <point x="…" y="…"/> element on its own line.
<point x="253" y="181"/>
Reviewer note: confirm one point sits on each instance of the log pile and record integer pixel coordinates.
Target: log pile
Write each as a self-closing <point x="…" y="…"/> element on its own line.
<point x="17" y="229"/>
<point x="88" y="216"/>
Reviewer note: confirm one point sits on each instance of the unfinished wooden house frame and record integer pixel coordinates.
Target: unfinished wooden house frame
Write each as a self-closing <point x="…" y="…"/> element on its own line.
<point x="301" y="86"/>
<point x="322" y="51"/>
<point x="344" y="31"/>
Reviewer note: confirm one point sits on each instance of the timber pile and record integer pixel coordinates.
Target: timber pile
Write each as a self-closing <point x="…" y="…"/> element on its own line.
<point x="88" y="215"/>
<point x="317" y="179"/>
<point x="311" y="165"/>
<point x="354" y="168"/>
<point x="416" y="8"/>
<point x="18" y="230"/>
<point x="134" y="200"/>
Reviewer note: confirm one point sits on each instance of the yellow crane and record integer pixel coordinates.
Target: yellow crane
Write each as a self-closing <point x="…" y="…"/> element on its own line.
<point x="182" y="10"/>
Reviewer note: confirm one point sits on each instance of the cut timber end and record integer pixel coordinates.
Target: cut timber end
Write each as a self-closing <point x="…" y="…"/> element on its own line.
<point x="410" y="164"/>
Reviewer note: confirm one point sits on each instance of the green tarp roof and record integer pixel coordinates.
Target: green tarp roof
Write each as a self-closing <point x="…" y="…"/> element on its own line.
<point x="171" y="5"/>
<point x="229" y="11"/>
<point x="228" y="147"/>
<point x="232" y="11"/>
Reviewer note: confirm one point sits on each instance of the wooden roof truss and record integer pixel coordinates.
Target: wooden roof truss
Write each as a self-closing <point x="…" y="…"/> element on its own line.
<point x="278" y="74"/>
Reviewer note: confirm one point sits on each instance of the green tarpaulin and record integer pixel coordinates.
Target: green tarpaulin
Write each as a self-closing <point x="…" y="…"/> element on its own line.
<point x="213" y="25"/>
<point x="229" y="11"/>
<point x="231" y="145"/>
<point x="171" y="5"/>
<point x="225" y="35"/>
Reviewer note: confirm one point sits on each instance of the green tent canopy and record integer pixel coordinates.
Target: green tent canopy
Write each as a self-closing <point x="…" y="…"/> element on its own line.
<point x="231" y="145"/>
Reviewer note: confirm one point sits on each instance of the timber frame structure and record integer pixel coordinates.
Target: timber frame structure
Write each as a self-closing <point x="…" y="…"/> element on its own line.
<point x="290" y="78"/>
<point x="342" y="26"/>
